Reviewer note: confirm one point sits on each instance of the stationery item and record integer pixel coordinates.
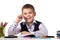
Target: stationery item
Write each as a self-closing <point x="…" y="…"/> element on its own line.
<point x="10" y="36"/>
<point x="30" y="35"/>
<point x="49" y="36"/>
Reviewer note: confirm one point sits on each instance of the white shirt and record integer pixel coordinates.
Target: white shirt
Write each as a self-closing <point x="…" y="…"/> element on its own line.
<point x="14" y="29"/>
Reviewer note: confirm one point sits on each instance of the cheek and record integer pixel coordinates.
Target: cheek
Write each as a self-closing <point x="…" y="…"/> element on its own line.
<point x="32" y="16"/>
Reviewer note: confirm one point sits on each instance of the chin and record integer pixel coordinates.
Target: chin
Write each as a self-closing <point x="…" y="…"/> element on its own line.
<point x="29" y="21"/>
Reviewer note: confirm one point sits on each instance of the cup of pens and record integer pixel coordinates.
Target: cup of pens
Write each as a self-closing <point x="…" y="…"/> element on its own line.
<point x="1" y="31"/>
<point x="2" y="26"/>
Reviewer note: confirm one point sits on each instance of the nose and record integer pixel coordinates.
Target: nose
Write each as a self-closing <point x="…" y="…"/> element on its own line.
<point x="28" y="15"/>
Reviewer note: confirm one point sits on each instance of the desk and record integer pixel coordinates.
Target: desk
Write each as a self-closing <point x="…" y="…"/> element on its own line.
<point x="28" y="39"/>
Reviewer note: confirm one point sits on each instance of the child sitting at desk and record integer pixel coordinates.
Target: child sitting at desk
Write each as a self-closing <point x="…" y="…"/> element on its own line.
<point x="30" y="26"/>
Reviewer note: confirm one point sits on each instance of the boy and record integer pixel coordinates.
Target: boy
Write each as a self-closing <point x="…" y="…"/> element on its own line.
<point x="30" y="26"/>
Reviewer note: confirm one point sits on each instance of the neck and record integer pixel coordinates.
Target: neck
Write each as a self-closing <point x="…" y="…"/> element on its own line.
<point x="29" y="23"/>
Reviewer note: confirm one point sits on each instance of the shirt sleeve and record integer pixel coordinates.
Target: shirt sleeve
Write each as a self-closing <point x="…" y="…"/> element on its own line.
<point x="42" y="31"/>
<point x="12" y="29"/>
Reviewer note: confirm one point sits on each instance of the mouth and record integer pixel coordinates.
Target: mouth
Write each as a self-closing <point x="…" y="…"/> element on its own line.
<point x="28" y="18"/>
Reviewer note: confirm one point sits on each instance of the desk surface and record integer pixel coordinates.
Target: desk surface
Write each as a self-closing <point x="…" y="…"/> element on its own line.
<point x="29" y="39"/>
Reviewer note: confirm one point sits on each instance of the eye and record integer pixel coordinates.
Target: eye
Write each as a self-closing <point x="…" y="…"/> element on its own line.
<point x="30" y="12"/>
<point x="25" y="13"/>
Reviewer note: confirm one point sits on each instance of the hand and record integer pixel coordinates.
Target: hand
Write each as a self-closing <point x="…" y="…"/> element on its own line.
<point x="19" y="18"/>
<point x="25" y="32"/>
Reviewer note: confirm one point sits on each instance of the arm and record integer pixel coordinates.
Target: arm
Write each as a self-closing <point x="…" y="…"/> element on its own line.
<point x="12" y="29"/>
<point x="42" y="31"/>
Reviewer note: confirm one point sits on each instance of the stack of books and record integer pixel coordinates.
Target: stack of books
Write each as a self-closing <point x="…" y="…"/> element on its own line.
<point x="58" y="34"/>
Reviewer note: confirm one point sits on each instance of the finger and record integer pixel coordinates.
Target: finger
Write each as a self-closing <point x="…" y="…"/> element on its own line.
<point x="20" y="16"/>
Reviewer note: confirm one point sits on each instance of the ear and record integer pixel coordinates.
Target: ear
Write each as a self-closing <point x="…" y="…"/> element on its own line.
<point x="34" y="14"/>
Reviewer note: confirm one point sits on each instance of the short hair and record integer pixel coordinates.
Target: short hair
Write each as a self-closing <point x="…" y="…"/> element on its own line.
<point x="28" y="6"/>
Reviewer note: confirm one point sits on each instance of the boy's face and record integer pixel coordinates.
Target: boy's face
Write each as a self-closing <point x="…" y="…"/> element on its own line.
<point x="28" y="15"/>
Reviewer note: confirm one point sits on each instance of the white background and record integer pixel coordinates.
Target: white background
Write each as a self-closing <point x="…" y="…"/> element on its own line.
<point x="47" y="12"/>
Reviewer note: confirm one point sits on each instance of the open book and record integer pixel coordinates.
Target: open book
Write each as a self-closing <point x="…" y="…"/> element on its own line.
<point x="20" y="35"/>
<point x="26" y="35"/>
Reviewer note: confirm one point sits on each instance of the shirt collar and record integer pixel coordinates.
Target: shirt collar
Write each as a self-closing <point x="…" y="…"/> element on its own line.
<point x="34" y="21"/>
<point x="30" y="24"/>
